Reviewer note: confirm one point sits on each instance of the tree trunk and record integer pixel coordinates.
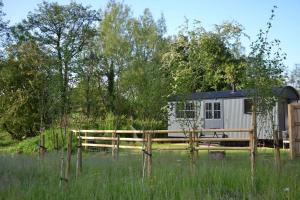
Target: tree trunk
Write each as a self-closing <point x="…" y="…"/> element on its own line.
<point x="111" y="87"/>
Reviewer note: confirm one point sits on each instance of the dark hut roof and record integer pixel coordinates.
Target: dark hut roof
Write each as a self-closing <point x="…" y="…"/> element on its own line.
<point x="286" y="92"/>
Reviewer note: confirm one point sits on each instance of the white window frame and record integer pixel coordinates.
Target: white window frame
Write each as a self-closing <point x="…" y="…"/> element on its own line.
<point x="211" y="109"/>
<point x="188" y="107"/>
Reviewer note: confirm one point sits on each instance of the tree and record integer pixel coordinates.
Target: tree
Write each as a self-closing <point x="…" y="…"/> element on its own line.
<point x="23" y="96"/>
<point x="264" y="73"/>
<point x="294" y="78"/>
<point x="3" y="29"/>
<point x="113" y="49"/>
<point x="142" y="82"/>
<point x="63" y="31"/>
<point x="201" y="60"/>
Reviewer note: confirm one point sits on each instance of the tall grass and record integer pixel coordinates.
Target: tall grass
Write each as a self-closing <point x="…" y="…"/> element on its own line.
<point x="174" y="177"/>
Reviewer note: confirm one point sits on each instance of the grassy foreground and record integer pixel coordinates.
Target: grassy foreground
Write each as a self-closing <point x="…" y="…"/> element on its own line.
<point x="28" y="177"/>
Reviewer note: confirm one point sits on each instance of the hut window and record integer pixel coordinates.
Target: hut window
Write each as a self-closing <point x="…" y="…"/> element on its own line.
<point x="213" y="110"/>
<point x="247" y="106"/>
<point x="208" y="111"/>
<point x="185" y="110"/>
<point x="217" y="110"/>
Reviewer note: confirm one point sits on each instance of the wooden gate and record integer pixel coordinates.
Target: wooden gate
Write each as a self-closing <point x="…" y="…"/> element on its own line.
<point x="294" y="129"/>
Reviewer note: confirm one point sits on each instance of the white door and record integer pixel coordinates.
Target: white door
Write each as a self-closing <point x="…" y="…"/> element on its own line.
<point x="213" y="114"/>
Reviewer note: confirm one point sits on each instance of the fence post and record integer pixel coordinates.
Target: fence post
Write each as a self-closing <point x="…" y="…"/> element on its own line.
<point x="196" y="142"/>
<point x="113" y="142"/>
<point x="291" y="126"/>
<point x="253" y="148"/>
<point x="85" y="141"/>
<point x="252" y="153"/>
<point x="277" y="148"/>
<point x="191" y="144"/>
<point x="42" y="145"/>
<point x="149" y="154"/>
<point x="62" y="177"/>
<point x="69" y="154"/>
<point x="118" y="145"/>
<point x="56" y="145"/>
<point x="254" y="128"/>
<point x="144" y="151"/>
<point x="79" y="156"/>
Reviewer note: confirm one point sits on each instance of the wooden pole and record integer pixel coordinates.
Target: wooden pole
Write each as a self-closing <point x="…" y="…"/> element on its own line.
<point x="69" y="154"/>
<point x="277" y="148"/>
<point x="149" y="154"/>
<point x="144" y="158"/>
<point x="197" y="143"/>
<point x="42" y="145"/>
<point x="253" y="148"/>
<point x="62" y="177"/>
<point x="85" y="141"/>
<point x="252" y="153"/>
<point x="113" y="143"/>
<point x="191" y="145"/>
<point x="254" y="128"/>
<point x="56" y="141"/>
<point x="79" y="157"/>
<point x="291" y="126"/>
<point x="118" y="145"/>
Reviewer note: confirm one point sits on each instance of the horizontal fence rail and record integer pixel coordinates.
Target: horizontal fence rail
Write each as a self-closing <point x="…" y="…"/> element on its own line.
<point x="161" y="131"/>
<point x="189" y="140"/>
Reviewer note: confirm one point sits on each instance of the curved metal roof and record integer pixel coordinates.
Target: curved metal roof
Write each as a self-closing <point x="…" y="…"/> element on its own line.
<point x="286" y="92"/>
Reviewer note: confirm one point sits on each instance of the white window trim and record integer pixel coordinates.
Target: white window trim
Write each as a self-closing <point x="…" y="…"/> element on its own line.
<point x="213" y="110"/>
<point x="184" y="110"/>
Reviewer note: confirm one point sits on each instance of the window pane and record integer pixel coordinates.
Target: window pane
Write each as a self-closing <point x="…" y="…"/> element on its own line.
<point x="217" y="106"/>
<point x="208" y="114"/>
<point x="190" y="114"/>
<point x="247" y="105"/>
<point x="189" y="106"/>
<point x="208" y="106"/>
<point x="217" y="114"/>
<point x="179" y="110"/>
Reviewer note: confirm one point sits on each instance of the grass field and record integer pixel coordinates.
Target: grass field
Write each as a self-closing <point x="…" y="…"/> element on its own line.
<point x="174" y="177"/>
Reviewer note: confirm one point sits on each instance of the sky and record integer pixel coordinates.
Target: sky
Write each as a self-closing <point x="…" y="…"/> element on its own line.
<point x="252" y="14"/>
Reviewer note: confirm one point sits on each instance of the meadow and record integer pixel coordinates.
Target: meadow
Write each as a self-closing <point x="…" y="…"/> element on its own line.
<point x="174" y="177"/>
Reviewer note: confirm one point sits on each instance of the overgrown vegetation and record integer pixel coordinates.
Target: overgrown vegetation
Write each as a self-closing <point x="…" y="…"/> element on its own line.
<point x="30" y="177"/>
<point x="72" y="66"/>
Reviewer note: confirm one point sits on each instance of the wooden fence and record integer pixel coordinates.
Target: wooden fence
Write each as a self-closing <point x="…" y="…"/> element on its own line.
<point x="294" y="129"/>
<point x="145" y="143"/>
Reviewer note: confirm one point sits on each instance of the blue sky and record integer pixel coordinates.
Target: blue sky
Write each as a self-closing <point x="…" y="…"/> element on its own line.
<point x="252" y="14"/>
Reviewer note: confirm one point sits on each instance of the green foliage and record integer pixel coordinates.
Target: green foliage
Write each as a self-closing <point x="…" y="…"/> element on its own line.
<point x="142" y="81"/>
<point x="63" y="31"/>
<point x="23" y="78"/>
<point x="113" y="122"/>
<point x="148" y="124"/>
<point x="200" y="60"/>
<point x="53" y="137"/>
<point x="265" y="70"/>
<point x="65" y="66"/>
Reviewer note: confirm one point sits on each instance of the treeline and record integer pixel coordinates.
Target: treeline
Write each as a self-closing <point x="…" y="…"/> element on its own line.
<point x="70" y="65"/>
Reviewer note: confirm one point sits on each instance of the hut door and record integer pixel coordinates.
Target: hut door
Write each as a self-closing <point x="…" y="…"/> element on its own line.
<point x="213" y="114"/>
